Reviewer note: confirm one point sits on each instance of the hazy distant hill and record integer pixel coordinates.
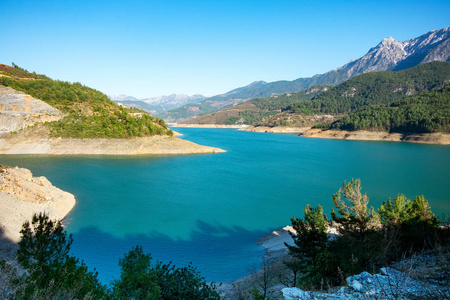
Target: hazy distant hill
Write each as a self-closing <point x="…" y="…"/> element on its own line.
<point x="388" y="55"/>
<point x="157" y="105"/>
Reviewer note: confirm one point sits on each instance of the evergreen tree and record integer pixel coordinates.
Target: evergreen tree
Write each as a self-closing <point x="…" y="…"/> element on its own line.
<point x="310" y="238"/>
<point x="137" y="280"/>
<point x="357" y="225"/>
<point x="52" y="272"/>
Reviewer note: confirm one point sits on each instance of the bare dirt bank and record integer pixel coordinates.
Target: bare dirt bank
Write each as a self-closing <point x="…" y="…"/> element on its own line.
<point x="207" y="126"/>
<point x="36" y="141"/>
<point x="22" y="195"/>
<point x="424" y="138"/>
<point x="278" y="129"/>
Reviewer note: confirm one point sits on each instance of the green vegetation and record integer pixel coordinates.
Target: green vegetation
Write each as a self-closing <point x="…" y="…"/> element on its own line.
<point x="409" y="101"/>
<point x="310" y="240"/>
<point x="268" y="107"/>
<point x="256" y="110"/>
<point x="421" y="113"/>
<point x="367" y="239"/>
<point x="53" y="274"/>
<point x="377" y="88"/>
<point x="88" y="112"/>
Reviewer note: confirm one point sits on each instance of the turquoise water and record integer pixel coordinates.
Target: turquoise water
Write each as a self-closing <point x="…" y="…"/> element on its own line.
<point x="211" y="209"/>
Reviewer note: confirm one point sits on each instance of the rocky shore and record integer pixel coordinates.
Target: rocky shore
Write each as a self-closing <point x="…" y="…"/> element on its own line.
<point x="22" y="195"/>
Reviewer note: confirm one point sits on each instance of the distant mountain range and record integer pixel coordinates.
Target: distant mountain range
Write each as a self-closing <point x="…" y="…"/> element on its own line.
<point x="388" y="55"/>
<point x="157" y="105"/>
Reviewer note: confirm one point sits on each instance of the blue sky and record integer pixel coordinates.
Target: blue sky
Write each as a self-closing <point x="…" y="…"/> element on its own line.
<point x="152" y="48"/>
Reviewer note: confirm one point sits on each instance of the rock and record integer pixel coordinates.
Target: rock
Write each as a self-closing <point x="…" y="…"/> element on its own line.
<point x="390" y="284"/>
<point x="356" y="285"/>
<point x="19" y="110"/>
<point x="294" y="293"/>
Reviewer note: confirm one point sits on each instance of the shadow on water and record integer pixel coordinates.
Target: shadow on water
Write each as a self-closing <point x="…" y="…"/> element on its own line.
<point x="220" y="253"/>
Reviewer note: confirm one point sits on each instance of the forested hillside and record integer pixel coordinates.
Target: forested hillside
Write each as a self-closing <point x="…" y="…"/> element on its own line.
<point x="372" y="102"/>
<point x="422" y="113"/>
<point x="256" y="110"/>
<point x="376" y="88"/>
<point x="88" y="112"/>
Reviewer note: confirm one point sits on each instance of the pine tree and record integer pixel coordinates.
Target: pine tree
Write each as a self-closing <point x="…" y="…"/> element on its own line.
<point x="310" y="238"/>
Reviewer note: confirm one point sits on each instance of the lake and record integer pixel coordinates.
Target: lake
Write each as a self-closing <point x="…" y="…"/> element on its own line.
<point x="210" y="209"/>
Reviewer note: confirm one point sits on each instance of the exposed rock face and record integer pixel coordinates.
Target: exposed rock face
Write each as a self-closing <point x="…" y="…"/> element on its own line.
<point x="392" y="55"/>
<point x="19" y="110"/>
<point x="22" y="195"/>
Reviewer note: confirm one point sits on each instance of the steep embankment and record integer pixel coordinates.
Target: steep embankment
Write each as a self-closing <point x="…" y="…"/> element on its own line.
<point x="22" y="195"/>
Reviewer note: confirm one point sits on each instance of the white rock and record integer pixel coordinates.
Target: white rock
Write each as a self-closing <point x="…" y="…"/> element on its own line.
<point x="356" y="285"/>
<point x="294" y="293"/>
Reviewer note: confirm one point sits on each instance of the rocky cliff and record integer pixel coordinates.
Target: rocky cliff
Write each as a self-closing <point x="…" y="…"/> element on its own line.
<point x="19" y="110"/>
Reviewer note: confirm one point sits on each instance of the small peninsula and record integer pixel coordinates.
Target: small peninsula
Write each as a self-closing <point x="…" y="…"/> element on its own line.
<point x="39" y="115"/>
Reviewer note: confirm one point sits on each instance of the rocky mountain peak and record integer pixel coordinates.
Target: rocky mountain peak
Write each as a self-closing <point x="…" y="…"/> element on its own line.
<point x="388" y="40"/>
<point x="391" y="54"/>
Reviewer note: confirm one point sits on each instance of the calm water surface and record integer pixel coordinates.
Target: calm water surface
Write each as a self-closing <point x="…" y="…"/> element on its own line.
<point x="211" y="209"/>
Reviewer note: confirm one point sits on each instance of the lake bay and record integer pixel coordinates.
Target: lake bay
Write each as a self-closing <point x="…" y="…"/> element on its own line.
<point x="210" y="209"/>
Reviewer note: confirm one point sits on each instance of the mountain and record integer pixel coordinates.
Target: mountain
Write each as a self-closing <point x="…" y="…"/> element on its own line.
<point x="174" y="99"/>
<point x="388" y="55"/>
<point x="157" y="105"/>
